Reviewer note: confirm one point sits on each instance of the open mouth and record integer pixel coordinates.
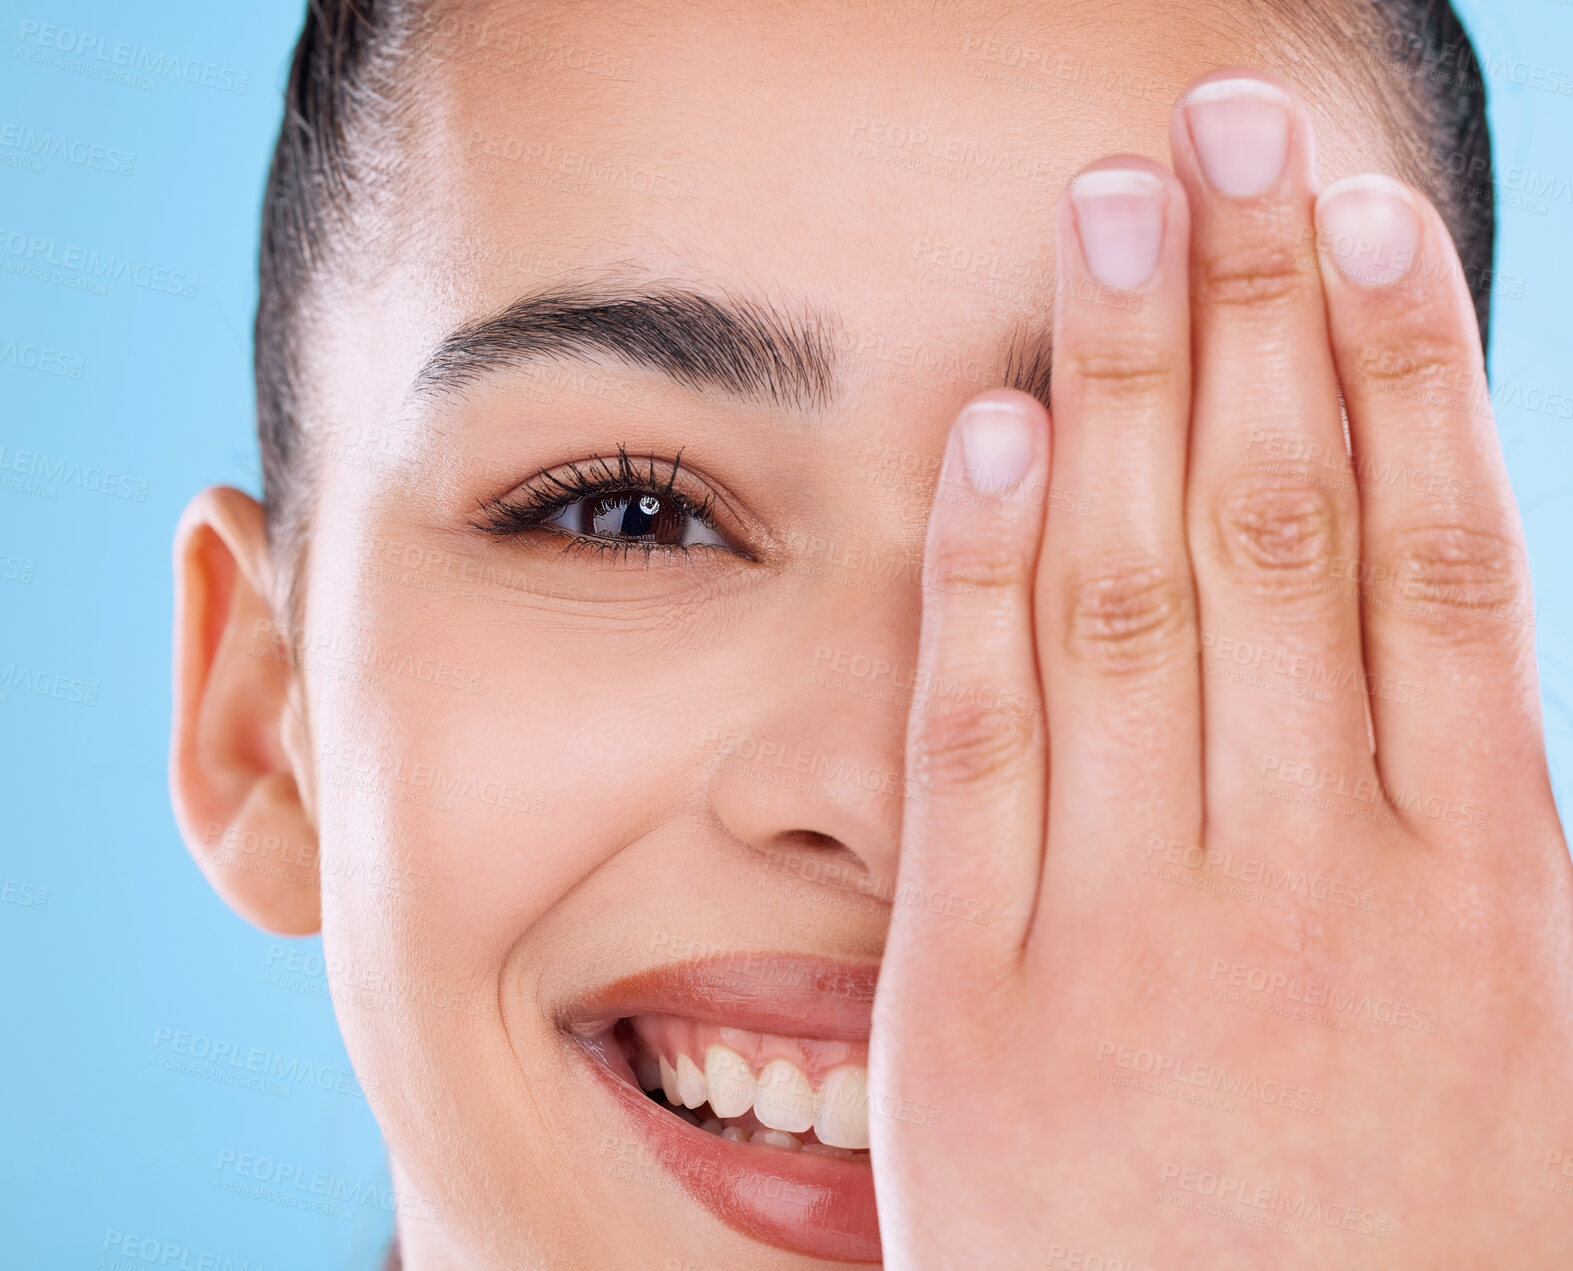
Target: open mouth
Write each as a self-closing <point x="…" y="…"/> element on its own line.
<point x="746" y="1080"/>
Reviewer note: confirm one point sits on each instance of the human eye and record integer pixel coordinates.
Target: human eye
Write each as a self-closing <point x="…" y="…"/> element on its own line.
<point x="616" y="505"/>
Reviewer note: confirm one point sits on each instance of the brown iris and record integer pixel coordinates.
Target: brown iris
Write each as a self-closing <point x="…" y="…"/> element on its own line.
<point x="634" y="515"/>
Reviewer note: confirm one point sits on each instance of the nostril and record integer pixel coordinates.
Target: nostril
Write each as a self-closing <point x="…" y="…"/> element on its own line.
<point x="808" y="856"/>
<point x="813" y="839"/>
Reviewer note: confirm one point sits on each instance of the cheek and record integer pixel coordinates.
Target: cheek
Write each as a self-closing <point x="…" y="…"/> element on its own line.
<point x="455" y="811"/>
<point x="477" y="761"/>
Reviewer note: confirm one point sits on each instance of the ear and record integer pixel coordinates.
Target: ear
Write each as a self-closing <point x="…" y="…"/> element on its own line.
<point x="240" y="752"/>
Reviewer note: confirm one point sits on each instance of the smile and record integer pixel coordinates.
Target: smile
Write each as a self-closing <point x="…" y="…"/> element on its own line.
<point x="746" y="1080"/>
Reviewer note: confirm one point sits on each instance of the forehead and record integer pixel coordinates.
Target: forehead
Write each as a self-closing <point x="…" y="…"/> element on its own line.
<point x="892" y="166"/>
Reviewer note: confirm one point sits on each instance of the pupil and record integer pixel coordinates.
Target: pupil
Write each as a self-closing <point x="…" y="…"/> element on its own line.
<point x="637" y="520"/>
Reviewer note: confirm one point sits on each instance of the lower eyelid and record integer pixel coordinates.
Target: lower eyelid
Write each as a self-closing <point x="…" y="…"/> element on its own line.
<point x="622" y="548"/>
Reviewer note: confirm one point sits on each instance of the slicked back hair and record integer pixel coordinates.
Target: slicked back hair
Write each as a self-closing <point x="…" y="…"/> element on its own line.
<point x="346" y="99"/>
<point x="340" y="105"/>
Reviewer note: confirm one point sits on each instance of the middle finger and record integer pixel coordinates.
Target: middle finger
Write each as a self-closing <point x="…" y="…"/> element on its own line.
<point x="1272" y="499"/>
<point x="1115" y="608"/>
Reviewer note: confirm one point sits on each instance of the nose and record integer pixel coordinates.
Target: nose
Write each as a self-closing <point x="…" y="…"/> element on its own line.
<point x="811" y="772"/>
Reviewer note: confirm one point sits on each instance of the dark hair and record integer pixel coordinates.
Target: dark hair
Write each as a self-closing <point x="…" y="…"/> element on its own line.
<point x="1423" y="70"/>
<point x="337" y="151"/>
<point x="340" y="113"/>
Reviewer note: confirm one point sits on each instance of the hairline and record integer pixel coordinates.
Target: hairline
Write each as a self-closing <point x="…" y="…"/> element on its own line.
<point x="291" y="510"/>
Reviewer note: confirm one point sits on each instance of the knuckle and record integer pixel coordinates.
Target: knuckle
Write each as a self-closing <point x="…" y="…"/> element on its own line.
<point x="969" y="565"/>
<point x="1256" y="277"/>
<point x="1420" y="361"/>
<point x="1122" y="371"/>
<point x="1128" y="618"/>
<point x="969" y="744"/>
<point x="1464" y="570"/>
<point x="1276" y="532"/>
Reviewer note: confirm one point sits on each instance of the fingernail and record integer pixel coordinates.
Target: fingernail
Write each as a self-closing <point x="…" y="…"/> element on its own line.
<point x="1119" y="215"/>
<point x="1368" y="227"/>
<point x="997" y="445"/>
<point x="1240" y="128"/>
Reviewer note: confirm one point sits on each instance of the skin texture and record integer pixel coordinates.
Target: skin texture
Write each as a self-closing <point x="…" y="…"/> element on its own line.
<point x="587" y="700"/>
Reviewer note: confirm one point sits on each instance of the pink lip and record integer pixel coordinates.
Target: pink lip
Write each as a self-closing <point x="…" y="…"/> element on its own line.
<point x="821" y="1206"/>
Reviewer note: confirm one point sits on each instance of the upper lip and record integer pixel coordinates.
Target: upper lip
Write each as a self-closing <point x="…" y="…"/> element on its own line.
<point x="788" y="994"/>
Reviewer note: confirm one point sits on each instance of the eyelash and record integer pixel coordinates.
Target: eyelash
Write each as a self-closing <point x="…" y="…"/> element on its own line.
<point x="527" y="508"/>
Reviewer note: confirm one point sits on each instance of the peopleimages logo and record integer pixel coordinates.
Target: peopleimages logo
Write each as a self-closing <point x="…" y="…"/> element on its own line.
<point x="222" y="1059"/>
<point x="33" y="256"/>
<point x="63" y="688"/>
<point x="1180" y="1071"/>
<point x="294" y="1184"/>
<point x="33" y="357"/>
<point x="120" y="60"/>
<point x="1291" y="1205"/>
<point x="125" y="1250"/>
<point x="58" y="145"/>
<point x="37" y="471"/>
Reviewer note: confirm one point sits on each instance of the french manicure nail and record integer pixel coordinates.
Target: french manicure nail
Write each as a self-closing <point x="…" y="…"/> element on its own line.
<point x="1119" y="215"/>
<point x="997" y="445"/>
<point x="1240" y="128"/>
<point x="1367" y="226"/>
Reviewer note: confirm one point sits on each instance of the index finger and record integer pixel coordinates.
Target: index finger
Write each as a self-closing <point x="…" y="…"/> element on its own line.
<point x="972" y="836"/>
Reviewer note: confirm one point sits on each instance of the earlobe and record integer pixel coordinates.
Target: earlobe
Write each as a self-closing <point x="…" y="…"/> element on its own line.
<point x="239" y="750"/>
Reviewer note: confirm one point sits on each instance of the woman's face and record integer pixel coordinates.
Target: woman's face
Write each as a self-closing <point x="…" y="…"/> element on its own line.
<point x="658" y="774"/>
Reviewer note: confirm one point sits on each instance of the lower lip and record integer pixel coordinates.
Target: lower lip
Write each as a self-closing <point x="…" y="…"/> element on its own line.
<point x="821" y="1206"/>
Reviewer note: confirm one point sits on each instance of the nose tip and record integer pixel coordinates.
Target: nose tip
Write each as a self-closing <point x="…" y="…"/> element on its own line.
<point x="825" y="816"/>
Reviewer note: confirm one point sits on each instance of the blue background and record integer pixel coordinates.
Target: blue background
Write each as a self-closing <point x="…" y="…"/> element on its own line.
<point x="108" y="933"/>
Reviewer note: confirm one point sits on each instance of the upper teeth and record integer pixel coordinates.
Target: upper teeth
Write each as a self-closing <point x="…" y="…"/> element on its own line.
<point x="781" y="1096"/>
<point x="690" y="1083"/>
<point x="783" y="1099"/>
<point x="841" y="1114"/>
<point x="730" y="1083"/>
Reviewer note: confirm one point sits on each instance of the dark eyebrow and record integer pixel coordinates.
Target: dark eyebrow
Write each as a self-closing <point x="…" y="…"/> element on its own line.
<point x="1029" y="362"/>
<point x="745" y="348"/>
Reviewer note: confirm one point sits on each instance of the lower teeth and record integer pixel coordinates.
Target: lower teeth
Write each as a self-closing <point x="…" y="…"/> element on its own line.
<point x="737" y="1134"/>
<point x="772" y="1138"/>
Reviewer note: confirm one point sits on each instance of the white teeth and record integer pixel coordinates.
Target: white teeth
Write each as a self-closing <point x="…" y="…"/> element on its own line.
<point x="785" y="1100"/>
<point x="690" y="1082"/>
<point x="730" y="1082"/>
<point x="842" y="1117"/>
<point x="782" y="1099"/>
<point x="668" y="1076"/>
